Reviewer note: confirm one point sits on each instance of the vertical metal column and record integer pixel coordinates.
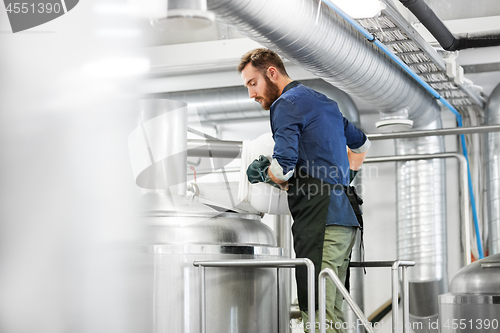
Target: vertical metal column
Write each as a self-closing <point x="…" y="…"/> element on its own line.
<point x="282" y="229"/>
<point x="394" y="288"/>
<point x="406" y="301"/>
<point x="421" y="223"/>
<point x="203" y="321"/>
<point x="278" y="293"/>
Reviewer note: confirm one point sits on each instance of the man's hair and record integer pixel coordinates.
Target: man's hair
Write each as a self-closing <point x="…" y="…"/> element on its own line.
<point x="262" y="59"/>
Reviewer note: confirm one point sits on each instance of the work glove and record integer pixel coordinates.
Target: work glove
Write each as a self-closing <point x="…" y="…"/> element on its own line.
<point x="257" y="172"/>
<point x="352" y="174"/>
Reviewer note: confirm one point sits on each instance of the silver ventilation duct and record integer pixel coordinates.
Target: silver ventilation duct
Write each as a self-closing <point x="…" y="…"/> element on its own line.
<point x="493" y="171"/>
<point x="233" y="103"/>
<point x="212" y="105"/>
<point x="421" y="224"/>
<point x="330" y="49"/>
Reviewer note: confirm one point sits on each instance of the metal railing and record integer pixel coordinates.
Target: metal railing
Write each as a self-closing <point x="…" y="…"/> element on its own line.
<point x="281" y="263"/>
<point x="463" y="192"/>
<point x="327" y="272"/>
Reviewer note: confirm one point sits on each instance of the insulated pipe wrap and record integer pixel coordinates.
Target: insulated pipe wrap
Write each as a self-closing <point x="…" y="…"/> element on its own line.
<point x="219" y="103"/>
<point x="421" y="208"/>
<point x="234" y="102"/>
<point x="330" y="49"/>
<point x="421" y="223"/>
<point x="493" y="171"/>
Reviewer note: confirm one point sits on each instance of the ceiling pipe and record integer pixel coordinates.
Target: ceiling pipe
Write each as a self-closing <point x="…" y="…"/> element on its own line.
<point x="445" y="38"/>
<point x="234" y="104"/>
<point x="438" y="132"/>
<point x="236" y="145"/>
<point x="328" y="47"/>
<point x="214" y="148"/>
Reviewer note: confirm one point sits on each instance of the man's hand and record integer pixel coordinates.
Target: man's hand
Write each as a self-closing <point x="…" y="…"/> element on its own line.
<point x="355" y="160"/>
<point x="282" y="183"/>
<point x="258" y="171"/>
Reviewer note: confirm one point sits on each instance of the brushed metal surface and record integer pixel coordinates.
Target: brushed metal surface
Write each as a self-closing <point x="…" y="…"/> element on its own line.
<point x="492" y="143"/>
<point x="473" y="304"/>
<point x="481" y="277"/>
<point x="238" y="299"/>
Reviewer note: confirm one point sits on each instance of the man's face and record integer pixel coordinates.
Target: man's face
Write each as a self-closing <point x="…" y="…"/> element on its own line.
<point x="260" y="87"/>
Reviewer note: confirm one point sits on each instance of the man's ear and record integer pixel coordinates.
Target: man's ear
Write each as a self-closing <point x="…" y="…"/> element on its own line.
<point x="272" y="73"/>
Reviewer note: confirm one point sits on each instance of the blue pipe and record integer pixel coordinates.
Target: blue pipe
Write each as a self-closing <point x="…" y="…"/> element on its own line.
<point x="433" y="92"/>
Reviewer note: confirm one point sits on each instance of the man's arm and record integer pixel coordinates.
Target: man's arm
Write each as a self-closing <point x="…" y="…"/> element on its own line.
<point x="287" y="122"/>
<point x="274" y="179"/>
<point x="357" y="145"/>
<point x="282" y="183"/>
<point x="355" y="159"/>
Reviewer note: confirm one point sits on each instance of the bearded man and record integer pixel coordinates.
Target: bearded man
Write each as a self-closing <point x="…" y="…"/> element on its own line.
<point x="317" y="151"/>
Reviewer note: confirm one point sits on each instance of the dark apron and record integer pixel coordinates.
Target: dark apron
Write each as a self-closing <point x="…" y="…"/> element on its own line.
<point x="309" y="200"/>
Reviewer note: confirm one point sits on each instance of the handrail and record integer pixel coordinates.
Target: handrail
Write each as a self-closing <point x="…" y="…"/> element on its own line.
<point x="285" y="263"/>
<point x="322" y="300"/>
<point x="327" y="272"/>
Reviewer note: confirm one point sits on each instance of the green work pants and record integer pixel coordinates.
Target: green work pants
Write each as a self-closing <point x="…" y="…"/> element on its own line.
<point x="337" y="246"/>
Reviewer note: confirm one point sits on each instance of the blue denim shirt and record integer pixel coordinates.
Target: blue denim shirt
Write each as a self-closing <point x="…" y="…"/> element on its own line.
<point x="311" y="134"/>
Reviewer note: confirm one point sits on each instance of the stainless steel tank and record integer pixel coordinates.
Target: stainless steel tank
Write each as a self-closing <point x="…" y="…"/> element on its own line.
<point x="240" y="300"/>
<point x="473" y="303"/>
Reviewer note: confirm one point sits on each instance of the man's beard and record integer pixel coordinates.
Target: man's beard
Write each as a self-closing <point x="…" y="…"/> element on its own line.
<point x="272" y="92"/>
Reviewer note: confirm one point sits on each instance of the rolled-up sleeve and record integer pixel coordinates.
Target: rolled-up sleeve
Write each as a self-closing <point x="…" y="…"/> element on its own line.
<point x="286" y="123"/>
<point x="356" y="140"/>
